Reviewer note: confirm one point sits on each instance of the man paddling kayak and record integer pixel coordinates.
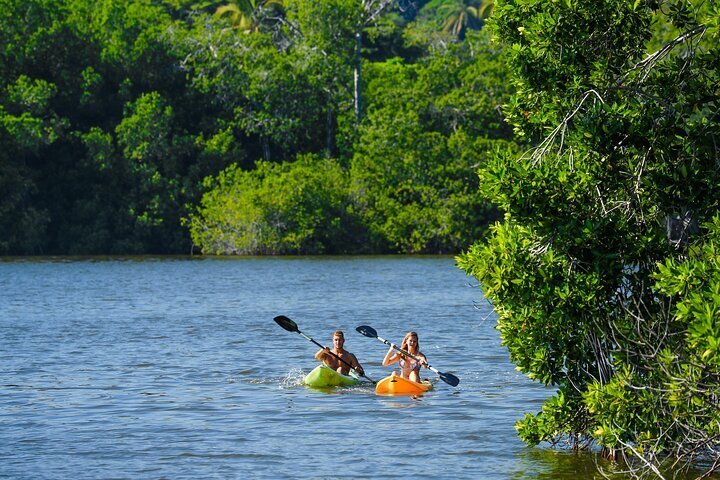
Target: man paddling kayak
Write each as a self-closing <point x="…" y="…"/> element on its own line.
<point x="331" y="361"/>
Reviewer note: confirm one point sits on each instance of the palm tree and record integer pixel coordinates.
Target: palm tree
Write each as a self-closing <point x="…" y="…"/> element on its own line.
<point x="486" y="8"/>
<point x="459" y="15"/>
<point x="247" y="15"/>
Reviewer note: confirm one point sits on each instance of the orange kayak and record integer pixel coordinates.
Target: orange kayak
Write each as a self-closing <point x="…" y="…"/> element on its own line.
<point x="395" y="385"/>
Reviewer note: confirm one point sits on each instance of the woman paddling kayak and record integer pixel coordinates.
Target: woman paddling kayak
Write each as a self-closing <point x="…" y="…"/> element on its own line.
<point x="409" y="367"/>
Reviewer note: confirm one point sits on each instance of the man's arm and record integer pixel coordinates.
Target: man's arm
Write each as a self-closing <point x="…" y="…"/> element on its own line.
<point x="356" y="365"/>
<point x="321" y="354"/>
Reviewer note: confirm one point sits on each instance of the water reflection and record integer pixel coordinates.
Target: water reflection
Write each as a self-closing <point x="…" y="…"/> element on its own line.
<point x="397" y="402"/>
<point x="551" y="464"/>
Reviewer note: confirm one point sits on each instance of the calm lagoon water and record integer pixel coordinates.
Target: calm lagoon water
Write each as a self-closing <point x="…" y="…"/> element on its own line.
<point x="173" y="368"/>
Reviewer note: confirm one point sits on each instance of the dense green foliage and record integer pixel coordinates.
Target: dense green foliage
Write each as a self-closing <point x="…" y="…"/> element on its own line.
<point x="102" y="138"/>
<point x="294" y="207"/>
<point x="428" y="126"/>
<point x="410" y="185"/>
<point x="604" y="272"/>
<point x="112" y="114"/>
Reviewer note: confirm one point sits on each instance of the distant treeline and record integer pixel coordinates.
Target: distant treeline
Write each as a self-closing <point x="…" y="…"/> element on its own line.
<point x="249" y="127"/>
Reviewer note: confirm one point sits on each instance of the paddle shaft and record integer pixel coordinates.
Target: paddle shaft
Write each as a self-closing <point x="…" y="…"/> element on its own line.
<point x="336" y="356"/>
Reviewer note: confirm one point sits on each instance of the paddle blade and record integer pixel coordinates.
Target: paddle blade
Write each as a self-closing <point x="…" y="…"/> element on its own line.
<point x="367" y="331"/>
<point x="449" y="378"/>
<point x="286" y="323"/>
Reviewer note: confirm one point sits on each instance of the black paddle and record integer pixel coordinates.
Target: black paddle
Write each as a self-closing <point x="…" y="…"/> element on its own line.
<point x="448" y="378"/>
<point x="291" y="326"/>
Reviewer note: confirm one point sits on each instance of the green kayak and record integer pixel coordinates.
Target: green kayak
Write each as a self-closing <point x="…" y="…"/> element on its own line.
<point x="323" y="376"/>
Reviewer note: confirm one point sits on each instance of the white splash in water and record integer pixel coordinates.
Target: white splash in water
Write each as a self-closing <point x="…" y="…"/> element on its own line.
<point x="294" y="378"/>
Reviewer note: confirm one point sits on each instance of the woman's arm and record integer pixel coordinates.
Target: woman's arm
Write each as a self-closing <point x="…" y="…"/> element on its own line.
<point x="423" y="360"/>
<point x="388" y="358"/>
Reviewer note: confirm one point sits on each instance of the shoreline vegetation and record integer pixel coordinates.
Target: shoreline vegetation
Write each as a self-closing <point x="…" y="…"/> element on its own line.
<point x="566" y="153"/>
<point x="604" y="272"/>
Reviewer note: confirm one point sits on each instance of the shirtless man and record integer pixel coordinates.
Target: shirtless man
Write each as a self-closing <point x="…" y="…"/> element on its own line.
<point x="331" y="361"/>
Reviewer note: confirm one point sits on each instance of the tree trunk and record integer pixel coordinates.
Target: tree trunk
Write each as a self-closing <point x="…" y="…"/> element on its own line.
<point x="358" y="86"/>
<point x="266" y="148"/>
